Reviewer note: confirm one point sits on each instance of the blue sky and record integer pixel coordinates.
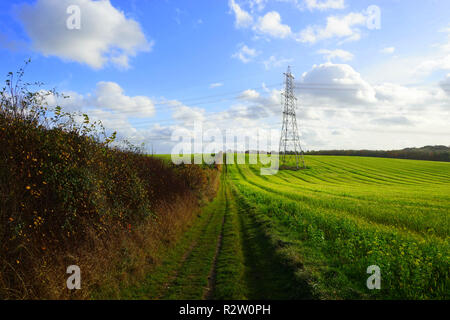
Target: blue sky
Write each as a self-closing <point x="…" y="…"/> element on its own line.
<point x="147" y="68"/>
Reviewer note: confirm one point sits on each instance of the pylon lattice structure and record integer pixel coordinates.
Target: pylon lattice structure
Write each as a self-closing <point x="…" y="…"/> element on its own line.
<point x="290" y="139"/>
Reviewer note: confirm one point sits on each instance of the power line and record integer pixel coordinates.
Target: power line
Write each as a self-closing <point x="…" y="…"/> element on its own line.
<point x="289" y="132"/>
<point x="169" y="104"/>
<point x="271" y="114"/>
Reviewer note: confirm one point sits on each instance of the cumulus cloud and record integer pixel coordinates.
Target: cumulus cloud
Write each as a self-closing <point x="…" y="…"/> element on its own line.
<point x="106" y="34"/>
<point x="270" y="25"/>
<point x="245" y="54"/>
<point x="385" y="115"/>
<point x="411" y="97"/>
<point x="109" y="97"/>
<point x="338" y="53"/>
<point x="185" y="114"/>
<point x="72" y="101"/>
<point x="188" y="115"/>
<point x="339" y="85"/>
<point x="343" y="27"/>
<point x="243" y="18"/>
<point x="114" y="122"/>
<point x="338" y="109"/>
<point x="268" y="103"/>
<point x="339" y="82"/>
<point x="249" y="94"/>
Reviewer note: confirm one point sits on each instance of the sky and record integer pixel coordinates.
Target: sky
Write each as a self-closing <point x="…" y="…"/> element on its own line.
<point x="368" y="74"/>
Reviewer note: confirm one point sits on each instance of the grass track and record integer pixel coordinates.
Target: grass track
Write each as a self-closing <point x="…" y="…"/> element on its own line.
<point x="225" y="255"/>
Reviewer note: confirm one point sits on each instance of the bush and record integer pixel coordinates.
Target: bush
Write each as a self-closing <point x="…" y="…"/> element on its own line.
<point x="64" y="189"/>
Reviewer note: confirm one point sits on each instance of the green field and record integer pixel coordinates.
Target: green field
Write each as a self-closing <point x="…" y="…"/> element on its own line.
<point x="312" y="234"/>
<point x="343" y="214"/>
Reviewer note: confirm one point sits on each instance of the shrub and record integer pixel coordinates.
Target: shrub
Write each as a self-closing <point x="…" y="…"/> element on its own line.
<point x="64" y="190"/>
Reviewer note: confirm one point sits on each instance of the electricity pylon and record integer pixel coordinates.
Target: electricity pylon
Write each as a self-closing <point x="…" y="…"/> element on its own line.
<point x="290" y="139"/>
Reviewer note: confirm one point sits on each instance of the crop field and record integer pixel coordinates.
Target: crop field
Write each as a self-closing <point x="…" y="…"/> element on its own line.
<point x="341" y="215"/>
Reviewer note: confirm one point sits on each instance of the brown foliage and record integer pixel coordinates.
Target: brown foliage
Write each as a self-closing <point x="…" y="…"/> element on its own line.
<point x="68" y="198"/>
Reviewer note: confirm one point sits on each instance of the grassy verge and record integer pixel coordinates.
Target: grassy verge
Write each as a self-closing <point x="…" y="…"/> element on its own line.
<point x="185" y="267"/>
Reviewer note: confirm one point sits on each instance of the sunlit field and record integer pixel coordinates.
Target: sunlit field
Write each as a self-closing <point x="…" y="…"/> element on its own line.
<point x="343" y="214"/>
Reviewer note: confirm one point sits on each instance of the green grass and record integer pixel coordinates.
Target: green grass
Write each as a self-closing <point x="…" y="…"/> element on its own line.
<point x="248" y="264"/>
<point x="312" y="234"/>
<point x="225" y="254"/>
<point x="229" y="280"/>
<point x="343" y="214"/>
<point x="184" y="271"/>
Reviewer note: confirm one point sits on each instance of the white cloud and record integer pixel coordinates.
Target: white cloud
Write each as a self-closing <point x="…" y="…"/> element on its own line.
<point x="215" y="85"/>
<point x="445" y="84"/>
<point x="344" y="27"/>
<point x="108" y="97"/>
<point x="249" y="94"/>
<point x="270" y="25"/>
<point x="339" y="109"/>
<point x="437" y="62"/>
<point x="245" y="54"/>
<point x="338" y="53"/>
<point x="409" y="97"/>
<point x="267" y="104"/>
<point x="370" y="116"/>
<point x="187" y="115"/>
<point x="243" y="18"/>
<point x="388" y="50"/>
<point x="243" y="112"/>
<point x="73" y="101"/>
<point x="274" y="62"/>
<point x="106" y="34"/>
<point x="325" y="4"/>
<point x="114" y="122"/>
<point x="413" y="69"/>
<point x="337" y="82"/>
<point x="427" y="67"/>
<point x="257" y="5"/>
<point x="392" y="121"/>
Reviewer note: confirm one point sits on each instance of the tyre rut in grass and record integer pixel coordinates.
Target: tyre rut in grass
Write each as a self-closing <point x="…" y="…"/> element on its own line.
<point x="192" y="278"/>
<point x="248" y="266"/>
